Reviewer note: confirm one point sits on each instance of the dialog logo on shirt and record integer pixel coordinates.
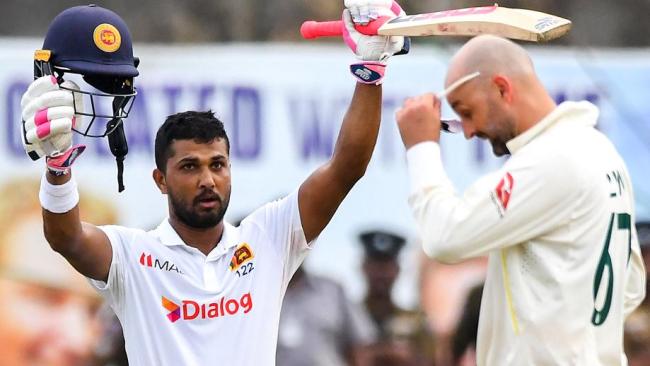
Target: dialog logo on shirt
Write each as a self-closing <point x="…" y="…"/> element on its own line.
<point x="501" y="195"/>
<point x="243" y="254"/>
<point x="148" y="261"/>
<point x="174" y="310"/>
<point x="191" y="309"/>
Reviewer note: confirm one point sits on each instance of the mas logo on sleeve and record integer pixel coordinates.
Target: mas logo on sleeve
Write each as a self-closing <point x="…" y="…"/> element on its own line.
<point x="501" y="194"/>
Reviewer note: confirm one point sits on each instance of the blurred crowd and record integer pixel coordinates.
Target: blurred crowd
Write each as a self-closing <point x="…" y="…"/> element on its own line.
<point x="618" y="23"/>
<point x="50" y="317"/>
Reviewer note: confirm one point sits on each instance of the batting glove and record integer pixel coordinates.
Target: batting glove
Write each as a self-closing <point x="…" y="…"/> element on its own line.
<point x="364" y="11"/>
<point x="374" y="51"/>
<point x="48" y="117"/>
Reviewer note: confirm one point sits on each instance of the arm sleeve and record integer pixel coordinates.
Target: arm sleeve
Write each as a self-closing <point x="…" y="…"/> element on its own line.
<point x="525" y="199"/>
<point x="280" y="220"/>
<point x="635" y="280"/>
<point x="113" y="289"/>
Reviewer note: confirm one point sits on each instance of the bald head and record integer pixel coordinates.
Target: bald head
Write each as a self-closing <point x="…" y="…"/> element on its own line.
<point x="491" y="55"/>
<point x="505" y="100"/>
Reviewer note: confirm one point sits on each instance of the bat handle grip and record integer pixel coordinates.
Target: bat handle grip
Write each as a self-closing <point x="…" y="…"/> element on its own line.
<point x="312" y="29"/>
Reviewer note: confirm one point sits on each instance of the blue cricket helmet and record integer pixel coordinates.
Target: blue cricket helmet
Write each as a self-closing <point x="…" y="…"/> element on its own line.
<point x="94" y="42"/>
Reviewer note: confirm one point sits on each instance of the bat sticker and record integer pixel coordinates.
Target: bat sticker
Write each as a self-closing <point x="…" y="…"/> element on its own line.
<point x="546" y="23"/>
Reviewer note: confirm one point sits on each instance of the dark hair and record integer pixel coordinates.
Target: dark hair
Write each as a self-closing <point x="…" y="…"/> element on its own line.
<point x="202" y="127"/>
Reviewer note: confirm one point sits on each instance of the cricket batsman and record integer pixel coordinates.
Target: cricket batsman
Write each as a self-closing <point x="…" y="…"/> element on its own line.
<point x="195" y="290"/>
<point x="556" y="220"/>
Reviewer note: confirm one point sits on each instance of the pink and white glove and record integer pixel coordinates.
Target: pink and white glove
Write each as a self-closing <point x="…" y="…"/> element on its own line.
<point x="49" y="114"/>
<point x="374" y="51"/>
<point x="364" y="11"/>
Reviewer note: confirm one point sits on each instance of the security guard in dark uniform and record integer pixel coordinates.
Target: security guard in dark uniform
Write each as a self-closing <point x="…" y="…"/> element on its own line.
<point x="404" y="336"/>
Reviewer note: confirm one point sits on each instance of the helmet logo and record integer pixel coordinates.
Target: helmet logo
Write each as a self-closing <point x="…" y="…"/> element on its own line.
<point x="107" y="38"/>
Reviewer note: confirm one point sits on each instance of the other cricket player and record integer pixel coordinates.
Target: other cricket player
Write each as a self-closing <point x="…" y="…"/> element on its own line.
<point x="556" y="220"/>
<point x="197" y="290"/>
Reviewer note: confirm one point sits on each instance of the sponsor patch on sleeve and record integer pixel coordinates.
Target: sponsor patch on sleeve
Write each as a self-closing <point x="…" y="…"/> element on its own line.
<point x="501" y="194"/>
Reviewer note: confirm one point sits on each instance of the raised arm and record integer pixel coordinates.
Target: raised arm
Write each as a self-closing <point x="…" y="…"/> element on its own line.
<point x="84" y="245"/>
<point x="48" y="113"/>
<point x="322" y="193"/>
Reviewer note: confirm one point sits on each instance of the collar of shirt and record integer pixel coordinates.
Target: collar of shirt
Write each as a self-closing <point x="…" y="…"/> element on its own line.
<point x="169" y="237"/>
<point x="582" y="112"/>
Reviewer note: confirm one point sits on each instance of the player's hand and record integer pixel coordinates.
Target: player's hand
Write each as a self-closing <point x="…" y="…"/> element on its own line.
<point x="374" y="51"/>
<point x="418" y="120"/>
<point x="364" y="11"/>
<point x="48" y="116"/>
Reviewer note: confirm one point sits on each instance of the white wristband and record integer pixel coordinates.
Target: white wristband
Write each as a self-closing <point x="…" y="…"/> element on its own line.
<point x="58" y="198"/>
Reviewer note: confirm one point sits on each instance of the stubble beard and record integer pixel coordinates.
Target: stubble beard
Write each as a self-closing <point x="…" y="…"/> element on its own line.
<point x="503" y="131"/>
<point x="190" y="216"/>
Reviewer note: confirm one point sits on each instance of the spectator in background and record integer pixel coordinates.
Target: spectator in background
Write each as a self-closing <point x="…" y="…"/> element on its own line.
<point x="48" y="309"/>
<point x="320" y="326"/>
<point x="463" y="347"/>
<point x="637" y="325"/>
<point x="404" y="338"/>
<point x="443" y="290"/>
<point x="110" y="350"/>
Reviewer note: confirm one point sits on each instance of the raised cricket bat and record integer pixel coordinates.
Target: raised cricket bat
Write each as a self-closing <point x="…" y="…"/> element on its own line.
<point x="520" y="24"/>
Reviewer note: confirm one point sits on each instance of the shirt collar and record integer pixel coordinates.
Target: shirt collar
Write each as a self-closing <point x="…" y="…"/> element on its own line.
<point x="582" y="112"/>
<point x="169" y="237"/>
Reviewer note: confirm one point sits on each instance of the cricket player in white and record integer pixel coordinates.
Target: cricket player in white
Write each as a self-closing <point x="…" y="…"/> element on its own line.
<point x="196" y="290"/>
<point x="556" y="220"/>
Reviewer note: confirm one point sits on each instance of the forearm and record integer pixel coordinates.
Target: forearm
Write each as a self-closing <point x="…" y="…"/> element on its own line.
<point x="455" y="228"/>
<point x="84" y="245"/>
<point x="358" y="134"/>
<point x="63" y="231"/>
<point x="451" y="228"/>
<point x="322" y="193"/>
<point x="440" y="233"/>
<point x="520" y="202"/>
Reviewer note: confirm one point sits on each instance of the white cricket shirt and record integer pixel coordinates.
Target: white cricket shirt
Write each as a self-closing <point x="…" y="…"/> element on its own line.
<point x="557" y="221"/>
<point x="180" y="307"/>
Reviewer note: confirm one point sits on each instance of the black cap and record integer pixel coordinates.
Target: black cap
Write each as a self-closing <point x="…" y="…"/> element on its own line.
<point x="643" y="233"/>
<point x="383" y="245"/>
